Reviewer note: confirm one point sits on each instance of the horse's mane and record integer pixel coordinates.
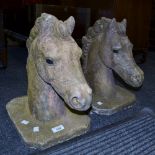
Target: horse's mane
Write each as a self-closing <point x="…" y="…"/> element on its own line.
<point x="99" y="27"/>
<point x="49" y="25"/>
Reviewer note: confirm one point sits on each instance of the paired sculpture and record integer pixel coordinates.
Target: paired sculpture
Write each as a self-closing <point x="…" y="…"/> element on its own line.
<point x="55" y="77"/>
<point x="106" y="48"/>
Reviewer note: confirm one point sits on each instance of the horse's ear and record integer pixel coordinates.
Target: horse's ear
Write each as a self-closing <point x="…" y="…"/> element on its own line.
<point x="122" y="26"/>
<point x="112" y="25"/>
<point x="62" y="29"/>
<point x="66" y="28"/>
<point x="124" y="22"/>
<point x="70" y="23"/>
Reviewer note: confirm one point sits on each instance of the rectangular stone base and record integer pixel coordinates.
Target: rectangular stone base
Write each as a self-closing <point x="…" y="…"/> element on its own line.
<point x="122" y="99"/>
<point x="45" y="134"/>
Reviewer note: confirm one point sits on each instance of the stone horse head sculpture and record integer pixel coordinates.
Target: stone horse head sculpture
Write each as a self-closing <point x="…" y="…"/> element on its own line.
<point x="54" y="71"/>
<point x="106" y="48"/>
<point x="55" y="77"/>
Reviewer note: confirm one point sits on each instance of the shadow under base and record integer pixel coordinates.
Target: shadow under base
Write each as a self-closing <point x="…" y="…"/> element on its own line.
<point x="122" y="99"/>
<point x="45" y="134"/>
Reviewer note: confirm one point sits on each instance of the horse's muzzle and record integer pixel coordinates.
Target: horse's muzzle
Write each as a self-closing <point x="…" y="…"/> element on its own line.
<point x="80" y="100"/>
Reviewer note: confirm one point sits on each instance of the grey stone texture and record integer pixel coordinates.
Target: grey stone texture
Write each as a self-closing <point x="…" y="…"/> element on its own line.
<point x="56" y="86"/>
<point x="106" y="48"/>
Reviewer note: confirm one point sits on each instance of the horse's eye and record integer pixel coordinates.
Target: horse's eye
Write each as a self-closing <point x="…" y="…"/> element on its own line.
<point x="115" y="51"/>
<point x="49" y="61"/>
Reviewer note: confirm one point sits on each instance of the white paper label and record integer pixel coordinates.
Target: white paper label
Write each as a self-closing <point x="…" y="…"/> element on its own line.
<point x="25" y="122"/>
<point x="36" y="129"/>
<point x="57" y="128"/>
<point x="99" y="103"/>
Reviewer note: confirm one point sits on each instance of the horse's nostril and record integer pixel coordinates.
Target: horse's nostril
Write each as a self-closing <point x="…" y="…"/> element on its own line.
<point x="81" y="99"/>
<point x="75" y="101"/>
<point x="136" y="77"/>
<point x="137" y="80"/>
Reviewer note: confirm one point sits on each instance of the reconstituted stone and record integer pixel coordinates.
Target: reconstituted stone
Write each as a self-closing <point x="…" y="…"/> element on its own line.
<point x="74" y="125"/>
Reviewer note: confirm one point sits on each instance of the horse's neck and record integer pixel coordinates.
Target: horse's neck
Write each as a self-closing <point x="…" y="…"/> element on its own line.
<point x="98" y="75"/>
<point x="44" y="102"/>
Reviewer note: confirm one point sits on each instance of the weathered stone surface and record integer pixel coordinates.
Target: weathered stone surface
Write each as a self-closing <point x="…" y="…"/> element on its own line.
<point x="106" y="48"/>
<point x="55" y="78"/>
<point x="54" y="69"/>
<point x="74" y="125"/>
<point x="108" y="106"/>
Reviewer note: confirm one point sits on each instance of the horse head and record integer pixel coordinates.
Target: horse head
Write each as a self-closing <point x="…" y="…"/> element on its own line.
<point x="117" y="54"/>
<point x="57" y="61"/>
